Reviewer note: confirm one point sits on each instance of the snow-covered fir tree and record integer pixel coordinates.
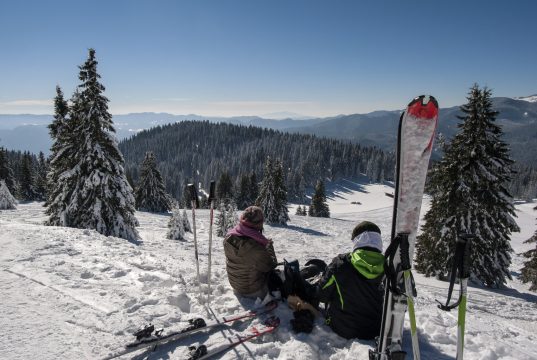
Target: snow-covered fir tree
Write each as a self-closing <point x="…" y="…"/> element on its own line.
<point x="61" y="175"/>
<point x="529" y="270"/>
<point x="301" y="210"/>
<point x="97" y="195"/>
<point x="319" y="207"/>
<point x="41" y="177"/>
<point x="151" y="193"/>
<point x="224" y="188"/>
<point x="27" y="190"/>
<point x="186" y="222"/>
<point x="254" y="188"/>
<point x="6" y="171"/>
<point x="176" y="226"/>
<point x="272" y="194"/>
<point x="7" y="201"/>
<point x="468" y="188"/>
<point x="242" y="193"/>
<point x="226" y="217"/>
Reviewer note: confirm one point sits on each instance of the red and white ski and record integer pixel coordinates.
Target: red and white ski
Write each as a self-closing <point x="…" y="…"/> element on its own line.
<point x="417" y="128"/>
<point x="203" y="352"/>
<point x="146" y="338"/>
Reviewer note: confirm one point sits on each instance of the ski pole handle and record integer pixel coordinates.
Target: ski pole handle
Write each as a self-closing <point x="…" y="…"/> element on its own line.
<point x="465" y="240"/>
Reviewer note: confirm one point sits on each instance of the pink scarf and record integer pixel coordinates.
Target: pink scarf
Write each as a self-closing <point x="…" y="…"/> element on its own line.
<point x="242" y="230"/>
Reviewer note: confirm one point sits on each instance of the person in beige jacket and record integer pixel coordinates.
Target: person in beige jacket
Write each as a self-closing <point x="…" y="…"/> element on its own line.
<point x="250" y="256"/>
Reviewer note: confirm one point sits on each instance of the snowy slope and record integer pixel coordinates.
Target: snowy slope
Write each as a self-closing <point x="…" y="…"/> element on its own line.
<point x="75" y="294"/>
<point x="531" y="98"/>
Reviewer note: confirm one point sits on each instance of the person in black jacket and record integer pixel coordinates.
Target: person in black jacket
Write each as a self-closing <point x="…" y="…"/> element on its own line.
<point x="352" y="287"/>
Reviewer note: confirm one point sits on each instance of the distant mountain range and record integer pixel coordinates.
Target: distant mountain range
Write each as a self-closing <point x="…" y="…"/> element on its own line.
<point x="518" y="118"/>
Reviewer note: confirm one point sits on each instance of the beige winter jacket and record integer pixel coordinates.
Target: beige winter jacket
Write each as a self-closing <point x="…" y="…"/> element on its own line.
<point x="248" y="264"/>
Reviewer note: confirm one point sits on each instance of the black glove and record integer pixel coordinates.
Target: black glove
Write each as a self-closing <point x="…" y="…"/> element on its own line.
<point x="303" y="321"/>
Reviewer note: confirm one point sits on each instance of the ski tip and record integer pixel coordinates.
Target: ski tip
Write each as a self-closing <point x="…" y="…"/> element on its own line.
<point x="424" y="106"/>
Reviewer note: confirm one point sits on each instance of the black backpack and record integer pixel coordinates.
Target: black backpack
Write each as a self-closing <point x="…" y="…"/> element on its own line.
<point x="302" y="283"/>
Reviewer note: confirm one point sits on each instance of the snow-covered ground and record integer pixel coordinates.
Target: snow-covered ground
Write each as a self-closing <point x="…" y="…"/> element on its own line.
<point x="75" y="294"/>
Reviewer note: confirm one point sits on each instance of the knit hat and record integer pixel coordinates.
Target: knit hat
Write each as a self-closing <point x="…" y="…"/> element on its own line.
<point x="367" y="234"/>
<point x="252" y="217"/>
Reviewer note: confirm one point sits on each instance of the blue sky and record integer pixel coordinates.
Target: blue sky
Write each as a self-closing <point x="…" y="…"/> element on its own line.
<point x="242" y="57"/>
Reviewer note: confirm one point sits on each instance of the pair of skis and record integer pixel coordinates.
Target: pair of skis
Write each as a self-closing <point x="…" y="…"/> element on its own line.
<point x="149" y="338"/>
<point x="417" y="127"/>
<point x="195" y="204"/>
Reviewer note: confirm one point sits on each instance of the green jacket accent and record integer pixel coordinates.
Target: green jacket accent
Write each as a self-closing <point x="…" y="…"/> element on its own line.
<point x="368" y="263"/>
<point x="332" y="281"/>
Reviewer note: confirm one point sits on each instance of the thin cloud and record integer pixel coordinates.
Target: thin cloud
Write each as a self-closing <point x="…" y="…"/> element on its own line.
<point x="170" y="99"/>
<point x="34" y="102"/>
<point x="260" y="103"/>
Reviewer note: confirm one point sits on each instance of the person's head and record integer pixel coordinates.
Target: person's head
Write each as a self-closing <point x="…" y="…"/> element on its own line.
<point x="253" y="217"/>
<point x="366" y="235"/>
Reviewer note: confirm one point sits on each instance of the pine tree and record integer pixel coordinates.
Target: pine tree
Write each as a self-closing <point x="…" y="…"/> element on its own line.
<point x="61" y="174"/>
<point x="27" y="190"/>
<point x="310" y="211"/>
<point x="253" y="189"/>
<point x="97" y="194"/>
<point x="301" y="210"/>
<point x="319" y="207"/>
<point x="6" y="172"/>
<point x="176" y="230"/>
<point x="273" y="195"/>
<point x="7" y="201"/>
<point x="226" y="218"/>
<point x="243" y="193"/>
<point x="186" y="222"/>
<point x="224" y="188"/>
<point x="468" y="188"/>
<point x="41" y="177"/>
<point x="151" y="194"/>
<point x="529" y="270"/>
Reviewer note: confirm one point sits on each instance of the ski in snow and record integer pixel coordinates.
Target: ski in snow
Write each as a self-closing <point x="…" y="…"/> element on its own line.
<point x="146" y="339"/>
<point x="203" y="352"/>
<point x="417" y="128"/>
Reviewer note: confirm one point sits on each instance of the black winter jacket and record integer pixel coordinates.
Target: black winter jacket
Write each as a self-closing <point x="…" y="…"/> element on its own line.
<point x="352" y="289"/>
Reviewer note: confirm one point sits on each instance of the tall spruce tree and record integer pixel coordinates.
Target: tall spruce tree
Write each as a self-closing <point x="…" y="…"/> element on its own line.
<point x="224" y="188"/>
<point x="27" y="177"/>
<point x="41" y="177"/>
<point x="272" y="194"/>
<point x="98" y="196"/>
<point x="319" y="205"/>
<point x="468" y="188"/>
<point x="253" y="189"/>
<point x="60" y="175"/>
<point x="151" y="194"/>
<point x="242" y="198"/>
<point x="529" y="270"/>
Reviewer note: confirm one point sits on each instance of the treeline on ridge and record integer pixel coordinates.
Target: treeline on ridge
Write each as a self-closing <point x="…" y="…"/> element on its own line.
<point x="199" y="151"/>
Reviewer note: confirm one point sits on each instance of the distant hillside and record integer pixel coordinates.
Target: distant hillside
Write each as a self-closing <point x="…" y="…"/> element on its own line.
<point x="518" y="119"/>
<point x="198" y="151"/>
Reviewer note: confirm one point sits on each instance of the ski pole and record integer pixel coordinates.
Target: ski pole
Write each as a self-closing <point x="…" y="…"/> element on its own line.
<point x="466" y="240"/>
<point x="195" y="203"/>
<point x="211" y="203"/>
<point x="460" y="270"/>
